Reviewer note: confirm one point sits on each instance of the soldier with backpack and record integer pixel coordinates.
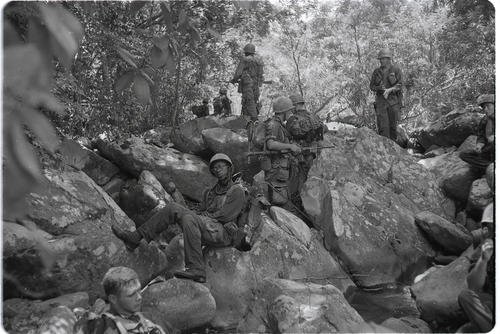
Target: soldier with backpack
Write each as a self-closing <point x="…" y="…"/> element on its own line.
<point x="305" y="130"/>
<point x="250" y="76"/>
<point x="219" y="222"/>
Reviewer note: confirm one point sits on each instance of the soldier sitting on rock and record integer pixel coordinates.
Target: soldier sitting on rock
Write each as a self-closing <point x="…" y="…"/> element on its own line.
<point x="222" y="104"/>
<point x="484" y="153"/>
<point x="201" y="110"/>
<point x="477" y="300"/>
<point x="218" y="223"/>
<point x="123" y="291"/>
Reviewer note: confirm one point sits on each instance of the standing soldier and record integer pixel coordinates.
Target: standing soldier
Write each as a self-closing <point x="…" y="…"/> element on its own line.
<point x="305" y="130"/>
<point x="386" y="82"/>
<point x="222" y="104"/>
<point x="277" y="166"/>
<point x="250" y="76"/>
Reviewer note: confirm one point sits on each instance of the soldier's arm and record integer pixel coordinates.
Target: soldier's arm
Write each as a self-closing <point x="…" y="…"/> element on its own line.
<point x="399" y="80"/>
<point x="477" y="276"/>
<point x="272" y="143"/>
<point x="376" y="84"/>
<point x="239" y="71"/>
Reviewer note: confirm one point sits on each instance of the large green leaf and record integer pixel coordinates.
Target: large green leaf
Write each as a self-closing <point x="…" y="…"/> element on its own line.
<point x="124" y="81"/>
<point x="41" y="127"/>
<point x="64" y="28"/>
<point x="141" y="89"/>
<point x="22" y="68"/>
<point x="127" y="56"/>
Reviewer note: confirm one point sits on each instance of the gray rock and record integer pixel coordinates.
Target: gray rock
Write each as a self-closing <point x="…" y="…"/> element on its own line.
<point x="434" y="151"/>
<point x="234" y="276"/>
<point x="296" y="307"/>
<point x="290" y="223"/>
<point x="453" y="238"/>
<point x="437" y="293"/>
<point x="480" y="196"/>
<point x="407" y="325"/>
<point x="450" y="130"/>
<point x="190" y="174"/>
<point x="187" y="137"/>
<point x="183" y="304"/>
<point x="455" y="175"/>
<point x="468" y="144"/>
<point x="221" y="140"/>
<point x="363" y="195"/>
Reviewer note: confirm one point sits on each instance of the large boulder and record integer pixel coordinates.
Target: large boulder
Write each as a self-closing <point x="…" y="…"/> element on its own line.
<point x="99" y="169"/>
<point x="468" y="144"/>
<point x="437" y="293"/>
<point x="450" y="130"/>
<point x="363" y="194"/>
<point x="187" y="137"/>
<point x="182" y="304"/>
<point x="285" y="306"/>
<point x="22" y="315"/>
<point x="407" y="325"/>
<point x="221" y="140"/>
<point x="480" y="196"/>
<point x="455" y="175"/>
<point x="453" y="238"/>
<point x="234" y="276"/>
<point x="189" y="173"/>
<point x="139" y="200"/>
<point x="76" y="216"/>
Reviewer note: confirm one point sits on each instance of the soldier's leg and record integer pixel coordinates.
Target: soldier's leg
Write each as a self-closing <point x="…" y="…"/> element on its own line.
<point x="159" y="222"/>
<point x="382" y="118"/>
<point x="393" y="113"/>
<point x="256" y="95"/>
<point x="248" y="106"/>
<point x="477" y="312"/>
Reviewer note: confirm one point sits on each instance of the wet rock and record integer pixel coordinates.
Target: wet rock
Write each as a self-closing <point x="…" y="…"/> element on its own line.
<point x="77" y="214"/>
<point x="480" y="196"/>
<point x="363" y="194"/>
<point x="234" y="276"/>
<point x="139" y="200"/>
<point x="187" y="137"/>
<point x="453" y="238"/>
<point x="295" y="307"/>
<point x="436" y="294"/>
<point x="189" y="173"/>
<point x="407" y="325"/>
<point x="451" y="129"/>
<point x="99" y="169"/>
<point x="221" y="140"/>
<point x="182" y="304"/>
<point x="468" y="145"/>
<point x="455" y="175"/>
<point x="22" y="315"/>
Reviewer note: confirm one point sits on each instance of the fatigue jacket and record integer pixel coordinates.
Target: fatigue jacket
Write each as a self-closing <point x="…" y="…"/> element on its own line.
<point x="383" y="78"/>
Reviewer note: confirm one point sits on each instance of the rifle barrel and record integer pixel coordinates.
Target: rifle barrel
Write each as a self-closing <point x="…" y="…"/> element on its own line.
<point x="287" y="151"/>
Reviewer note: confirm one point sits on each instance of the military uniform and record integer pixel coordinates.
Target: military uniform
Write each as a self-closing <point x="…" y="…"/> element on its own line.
<point x="250" y="76"/>
<point x="222" y="106"/>
<point x="387" y="110"/>
<point x="112" y="323"/>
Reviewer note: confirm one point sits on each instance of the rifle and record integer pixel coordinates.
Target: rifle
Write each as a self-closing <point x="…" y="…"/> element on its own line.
<point x="287" y="151"/>
<point x="265" y="82"/>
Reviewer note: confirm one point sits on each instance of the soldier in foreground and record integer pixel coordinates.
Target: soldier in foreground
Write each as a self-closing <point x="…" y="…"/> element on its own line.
<point x="277" y="166"/>
<point x="123" y="291"/>
<point x="306" y="130"/>
<point x="222" y="104"/>
<point x="386" y="82"/>
<point x="218" y="222"/>
<point x="250" y="76"/>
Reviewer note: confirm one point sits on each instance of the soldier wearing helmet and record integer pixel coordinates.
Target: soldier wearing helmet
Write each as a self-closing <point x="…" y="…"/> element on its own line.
<point x="201" y="110"/>
<point x="477" y="300"/>
<point x="386" y="83"/>
<point x="277" y="166"/>
<point x="214" y="223"/>
<point x="484" y="152"/>
<point x="305" y="130"/>
<point x="222" y="104"/>
<point x="250" y="76"/>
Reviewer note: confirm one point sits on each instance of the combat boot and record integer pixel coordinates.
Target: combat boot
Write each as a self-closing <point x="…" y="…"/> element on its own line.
<point x="130" y="239"/>
<point x="194" y="275"/>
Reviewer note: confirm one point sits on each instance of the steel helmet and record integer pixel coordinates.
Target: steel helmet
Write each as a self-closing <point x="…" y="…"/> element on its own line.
<point x="249" y="48"/>
<point x="488" y="214"/>
<point x="486" y="98"/>
<point x="282" y="104"/>
<point x="297" y="98"/>
<point x="384" y="53"/>
<point x="220" y="157"/>
<point x="223" y="91"/>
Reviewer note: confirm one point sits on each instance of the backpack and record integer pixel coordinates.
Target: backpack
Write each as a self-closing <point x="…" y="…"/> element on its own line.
<point x="257" y="135"/>
<point x="305" y="126"/>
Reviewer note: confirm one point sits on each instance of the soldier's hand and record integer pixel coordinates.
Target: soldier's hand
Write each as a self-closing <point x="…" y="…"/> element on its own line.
<point x="295" y="148"/>
<point x="387" y="92"/>
<point x="487" y="250"/>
